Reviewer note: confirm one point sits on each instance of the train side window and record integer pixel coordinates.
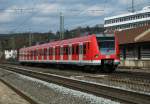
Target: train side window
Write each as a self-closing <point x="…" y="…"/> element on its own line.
<point x="55" y="50"/>
<point x="84" y="48"/>
<point x="64" y="50"/>
<point x="80" y="49"/>
<point x="45" y="51"/>
<point x="67" y="50"/>
<point x="37" y="52"/>
<point x="73" y="49"/>
<point x="51" y="51"/>
<point x="34" y="53"/>
<point x="31" y="53"/>
<point x="40" y="52"/>
<point x="59" y="50"/>
<point x="77" y="49"/>
<point x="88" y="45"/>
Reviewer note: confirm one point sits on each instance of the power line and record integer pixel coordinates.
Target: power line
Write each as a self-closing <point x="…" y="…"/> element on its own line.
<point x="26" y="19"/>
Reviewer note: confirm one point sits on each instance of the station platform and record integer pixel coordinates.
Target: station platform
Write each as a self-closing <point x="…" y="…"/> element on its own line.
<point x="8" y="96"/>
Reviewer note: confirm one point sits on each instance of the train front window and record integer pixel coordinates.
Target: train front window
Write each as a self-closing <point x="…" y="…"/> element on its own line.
<point x="106" y="45"/>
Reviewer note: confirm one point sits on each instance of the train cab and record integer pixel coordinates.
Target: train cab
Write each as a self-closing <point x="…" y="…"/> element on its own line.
<point x="108" y="51"/>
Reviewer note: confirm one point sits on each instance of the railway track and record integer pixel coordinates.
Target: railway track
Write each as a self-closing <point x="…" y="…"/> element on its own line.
<point x="20" y="93"/>
<point x="89" y="87"/>
<point x="133" y="81"/>
<point x="139" y="82"/>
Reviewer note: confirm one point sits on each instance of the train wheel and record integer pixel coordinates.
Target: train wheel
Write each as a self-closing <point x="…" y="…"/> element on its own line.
<point x="108" y="69"/>
<point x="86" y="68"/>
<point x="22" y="63"/>
<point x="92" y="69"/>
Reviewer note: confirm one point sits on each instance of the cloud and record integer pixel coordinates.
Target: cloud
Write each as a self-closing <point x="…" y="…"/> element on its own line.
<point x="45" y="14"/>
<point x="47" y="8"/>
<point x="7" y="15"/>
<point x="43" y="20"/>
<point x="136" y="2"/>
<point x="95" y="11"/>
<point x="3" y="30"/>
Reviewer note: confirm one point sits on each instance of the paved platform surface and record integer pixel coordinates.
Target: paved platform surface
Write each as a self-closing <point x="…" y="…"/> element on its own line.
<point x="8" y="96"/>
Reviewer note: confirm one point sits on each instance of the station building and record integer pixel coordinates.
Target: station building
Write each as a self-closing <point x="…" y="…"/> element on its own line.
<point x="128" y="20"/>
<point x="133" y="32"/>
<point x="135" y="46"/>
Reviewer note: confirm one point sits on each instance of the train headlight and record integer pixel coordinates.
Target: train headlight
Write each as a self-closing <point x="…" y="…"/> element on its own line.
<point x="96" y="56"/>
<point x="118" y="55"/>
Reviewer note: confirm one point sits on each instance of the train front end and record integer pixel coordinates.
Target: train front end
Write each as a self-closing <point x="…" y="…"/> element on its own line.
<point x="108" y="52"/>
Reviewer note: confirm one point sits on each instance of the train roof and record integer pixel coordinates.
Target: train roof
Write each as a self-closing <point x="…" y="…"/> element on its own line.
<point x="105" y="35"/>
<point x="62" y="42"/>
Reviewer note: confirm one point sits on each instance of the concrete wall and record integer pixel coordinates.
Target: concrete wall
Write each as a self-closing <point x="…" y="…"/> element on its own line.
<point x="135" y="63"/>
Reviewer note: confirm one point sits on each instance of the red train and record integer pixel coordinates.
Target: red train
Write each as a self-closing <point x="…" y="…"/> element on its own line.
<point x="93" y="52"/>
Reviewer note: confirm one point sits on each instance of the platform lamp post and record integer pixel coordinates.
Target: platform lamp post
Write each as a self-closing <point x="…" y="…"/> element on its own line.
<point x="61" y="26"/>
<point x="132" y="10"/>
<point x="13" y="43"/>
<point x="30" y="38"/>
<point x="1" y="53"/>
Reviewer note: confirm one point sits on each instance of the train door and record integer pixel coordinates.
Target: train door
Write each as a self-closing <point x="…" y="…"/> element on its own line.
<point x="61" y="52"/>
<point x="80" y="52"/>
<point x="51" y="53"/>
<point x="54" y="53"/>
<point x="28" y="54"/>
<point x="57" y="53"/>
<point x="86" y="48"/>
<point x="31" y="55"/>
<point x="45" y="53"/>
<point x="70" y="52"/>
<point x="75" y="52"/>
<point x="25" y="54"/>
<point x="40" y="54"/>
<point x="65" y="52"/>
<point x="37" y="54"/>
<point x="20" y="55"/>
<point x="34" y="54"/>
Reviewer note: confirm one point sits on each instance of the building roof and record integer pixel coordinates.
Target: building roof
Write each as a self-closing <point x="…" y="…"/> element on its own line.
<point x="144" y="10"/>
<point x="134" y="35"/>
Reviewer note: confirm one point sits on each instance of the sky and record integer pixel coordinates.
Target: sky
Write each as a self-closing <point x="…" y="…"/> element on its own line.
<point x="44" y="15"/>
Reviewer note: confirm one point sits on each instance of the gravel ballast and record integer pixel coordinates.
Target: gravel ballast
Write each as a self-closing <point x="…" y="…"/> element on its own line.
<point x="8" y="96"/>
<point x="49" y="93"/>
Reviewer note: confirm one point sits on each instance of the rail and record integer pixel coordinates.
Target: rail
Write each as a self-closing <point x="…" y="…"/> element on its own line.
<point x="89" y="87"/>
